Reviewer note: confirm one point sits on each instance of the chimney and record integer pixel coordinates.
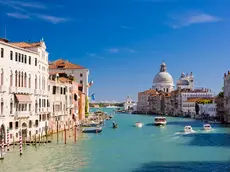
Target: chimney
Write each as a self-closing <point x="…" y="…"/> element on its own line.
<point x="228" y="72"/>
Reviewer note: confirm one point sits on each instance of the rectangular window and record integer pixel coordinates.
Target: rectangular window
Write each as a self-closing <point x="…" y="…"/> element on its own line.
<point x="81" y="75"/>
<point x="29" y="60"/>
<point x="2" y="52"/>
<point x="36" y="62"/>
<point x="81" y="82"/>
<point x="64" y="90"/>
<point x="19" y="57"/>
<point x="54" y="89"/>
<point x="16" y="125"/>
<point x="10" y="125"/>
<point x="25" y="58"/>
<point x="16" y="56"/>
<point x="22" y="58"/>
<point x="48" y="87"/>
<point x="61" y="89"/>
<point x="11" y="55"/>
<point x="39" y="102"/>
<point x="36" y="123"/>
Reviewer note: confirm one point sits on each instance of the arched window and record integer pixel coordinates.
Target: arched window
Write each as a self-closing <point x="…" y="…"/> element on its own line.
<point x="16" y="79"/>
<point x="11" y="78"/>
<point x="39" y="86"/>
<point x="167" y="90"/>
<point x="29" y="81"/>
<point x="36" y="82"/>
<point x="36" y="106"/>
<point x="25" y="80"/>
<point x="11" y="106"/>
<point x="22" y="79"/>
<point x="2" y="106"/>
<point x="2" y="76"/>
<point x="19" y="79"/>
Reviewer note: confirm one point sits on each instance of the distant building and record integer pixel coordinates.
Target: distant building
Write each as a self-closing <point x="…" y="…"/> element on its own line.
<point x="79" y="73"/>
<point x="186" y="82"/>
<point x="163" y="81"/>
<point x="128" y="105"/>
<point x="227" y="96"/>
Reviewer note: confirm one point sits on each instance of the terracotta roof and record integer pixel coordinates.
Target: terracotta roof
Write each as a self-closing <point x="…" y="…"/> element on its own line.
<point x="64" y="64"/>
<point x="64" y="80"/>
<point x="25" y="44"/>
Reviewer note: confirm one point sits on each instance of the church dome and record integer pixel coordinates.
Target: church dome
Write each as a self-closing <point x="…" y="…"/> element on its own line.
<point x="163" y="77"/>
<point x="183" y="82"/>
<point x="163" y="80"/>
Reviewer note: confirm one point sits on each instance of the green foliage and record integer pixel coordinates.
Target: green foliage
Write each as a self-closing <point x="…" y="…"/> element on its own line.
<point x="86" y="105"/>
<point x="204" y="101"/>
<point x="221" y="94"/>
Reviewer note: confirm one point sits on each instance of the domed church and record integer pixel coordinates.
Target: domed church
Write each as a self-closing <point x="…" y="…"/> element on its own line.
<point x="163" y="80"/>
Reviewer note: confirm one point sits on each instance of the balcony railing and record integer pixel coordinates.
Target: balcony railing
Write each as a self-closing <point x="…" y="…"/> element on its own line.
<point x="20" y="90"/>
<point x="23" y="113"/>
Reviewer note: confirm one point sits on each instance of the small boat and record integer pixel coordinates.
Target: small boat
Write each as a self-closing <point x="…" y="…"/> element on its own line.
<point x="139" y="124"/>
<point x="160" y="121"/>
<point x="188" y="129"/>
<point x="207" y="127"/>
<point x="115" y="125"/>
<point x="92" y="130"/>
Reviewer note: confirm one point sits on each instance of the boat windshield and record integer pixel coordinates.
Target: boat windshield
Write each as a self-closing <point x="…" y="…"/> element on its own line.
<point x="160" y="119"/>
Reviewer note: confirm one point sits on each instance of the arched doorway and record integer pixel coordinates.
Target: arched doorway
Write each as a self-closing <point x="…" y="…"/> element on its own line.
<point x="2" y="133"/>
<point x="24" y="130"/>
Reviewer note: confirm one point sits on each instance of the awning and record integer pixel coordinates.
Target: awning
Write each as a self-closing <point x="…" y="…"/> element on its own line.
<point x="21" y="98"/>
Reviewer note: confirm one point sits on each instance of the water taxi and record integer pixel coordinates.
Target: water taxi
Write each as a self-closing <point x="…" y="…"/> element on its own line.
<point x="160" y="121"/>
<point x="92" y="130"/>
<point x="139" y="124"/>
<point x="188" y="129"/>
<point x="207" y="127"/>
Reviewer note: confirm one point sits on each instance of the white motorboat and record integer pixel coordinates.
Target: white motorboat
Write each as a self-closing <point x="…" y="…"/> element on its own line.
<point x="139" y="124"/>
<point x="207" y="127"/>
<point x="160" y="121"/>
<point x="188" y="129"/>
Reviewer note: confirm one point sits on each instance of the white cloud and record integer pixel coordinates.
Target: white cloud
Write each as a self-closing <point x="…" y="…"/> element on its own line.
<point x="18" y="15"/>
<point x="189" y="19"/>
<point x="129" y="50"/>
<point x="19" y="4"/>
<point x="90" y="54"/>
<point x="52" y="19"/>
<point x="114" y="50"/>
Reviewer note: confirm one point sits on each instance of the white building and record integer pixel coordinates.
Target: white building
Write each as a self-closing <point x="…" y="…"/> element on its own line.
<point x="60" y="98"/>
<point x="80" y="73"/>
<point x="204" y="109"/>
<point x="183" y="96"/>
<point x="227" y="96"/>
<point x="163" y="80"/>
<point x="186" y="82"/>
<point x="129" y="104"/>
<point x="23" y="88"/>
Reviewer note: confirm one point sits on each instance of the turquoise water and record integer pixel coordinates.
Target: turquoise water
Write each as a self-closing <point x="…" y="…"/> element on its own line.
<point x="129" y="149"/>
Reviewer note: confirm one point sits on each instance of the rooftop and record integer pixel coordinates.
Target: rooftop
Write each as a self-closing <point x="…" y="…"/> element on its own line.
<point x="64" y="64"/>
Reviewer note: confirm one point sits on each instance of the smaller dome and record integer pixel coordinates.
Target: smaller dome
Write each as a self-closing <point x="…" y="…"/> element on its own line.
<point x="183" y="82"/>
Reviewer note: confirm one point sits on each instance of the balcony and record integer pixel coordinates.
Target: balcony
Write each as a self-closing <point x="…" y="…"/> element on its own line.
<point x="2" y="88"/>
<point x="24" y="114"/>
<point x="20" y="90"/>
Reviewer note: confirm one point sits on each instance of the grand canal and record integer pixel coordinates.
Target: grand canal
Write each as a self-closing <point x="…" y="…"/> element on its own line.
<point x="129" y="149"/>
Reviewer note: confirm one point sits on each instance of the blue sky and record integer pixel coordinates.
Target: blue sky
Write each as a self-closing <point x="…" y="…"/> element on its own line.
<point x="123" y="42"/>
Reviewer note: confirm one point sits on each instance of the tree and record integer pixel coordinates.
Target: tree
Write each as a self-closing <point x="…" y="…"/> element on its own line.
<point x="221" y="94"/>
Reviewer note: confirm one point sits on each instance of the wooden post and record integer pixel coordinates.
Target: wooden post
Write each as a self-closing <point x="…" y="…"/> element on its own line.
<point x="57" y="128"/>
<point x="35" y="139"/>
<point x="75" y="132"/>
<point x="65" y="134"/>
<point x="8" y="141"/>
<point x="20" y="139"/>
<point x="13" y="141"/>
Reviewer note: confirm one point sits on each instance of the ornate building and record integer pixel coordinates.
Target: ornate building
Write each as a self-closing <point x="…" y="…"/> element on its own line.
<point x="163" y="81"/>
<point x="186" y="82"/>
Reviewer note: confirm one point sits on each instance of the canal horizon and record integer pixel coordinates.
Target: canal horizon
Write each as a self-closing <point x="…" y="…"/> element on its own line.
<point x="129" y="149"/>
